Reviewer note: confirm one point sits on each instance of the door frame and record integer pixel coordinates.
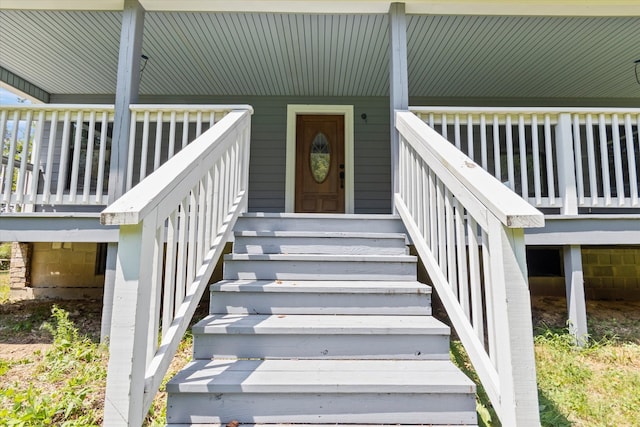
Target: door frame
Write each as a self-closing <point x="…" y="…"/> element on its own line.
<point x="293" y="110"/>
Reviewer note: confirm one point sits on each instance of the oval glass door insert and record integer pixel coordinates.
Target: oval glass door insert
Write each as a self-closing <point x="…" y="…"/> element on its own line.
<point x="319" y="157"/>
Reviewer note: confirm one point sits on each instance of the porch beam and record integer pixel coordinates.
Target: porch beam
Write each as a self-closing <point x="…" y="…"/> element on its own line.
<point x="127" y="91"/>
<point x="398" y="83"/>
<point x="431" y="7"/>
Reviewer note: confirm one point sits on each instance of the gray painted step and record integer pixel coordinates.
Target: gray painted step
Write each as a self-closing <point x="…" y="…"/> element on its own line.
<point x="321" y="391"/>
<point x="321" y="336"/>
<point x="319" y="267"/>
<point x="320" y="297"/>
<point x="319" y="242"/>
<point x="257" y="221"/>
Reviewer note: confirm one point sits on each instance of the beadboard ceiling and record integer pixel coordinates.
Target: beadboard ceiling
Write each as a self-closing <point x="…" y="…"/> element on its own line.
<point x="204" y="53"/>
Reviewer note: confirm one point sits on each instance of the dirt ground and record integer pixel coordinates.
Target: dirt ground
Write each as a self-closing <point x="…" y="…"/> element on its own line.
<point x="21" y="333"/>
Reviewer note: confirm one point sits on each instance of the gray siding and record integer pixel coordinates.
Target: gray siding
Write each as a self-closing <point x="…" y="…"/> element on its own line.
<point x="268" y="146"/>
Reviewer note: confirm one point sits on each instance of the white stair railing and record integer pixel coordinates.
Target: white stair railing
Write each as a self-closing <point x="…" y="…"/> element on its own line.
<point x="173" y="228"/>
<point x="468" y="230"/>
<point x="567" y="158"/>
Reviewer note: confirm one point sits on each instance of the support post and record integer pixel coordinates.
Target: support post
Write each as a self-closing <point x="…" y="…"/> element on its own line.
<point x="576" y="304"/>
<point x="107" y="299"/>
<point x="126" y="94"/>
<point x="398" y="84"/>
<point x="574" y="281"/>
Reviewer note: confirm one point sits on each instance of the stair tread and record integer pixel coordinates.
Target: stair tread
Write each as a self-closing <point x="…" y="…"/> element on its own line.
<point x="291" y="215"/>
<point x="315" y="324"/>
<point x="319" y="234"/>
<point x="320" y="257"/>
<point x="320" y="376"/>
<point x="323" y="286"/>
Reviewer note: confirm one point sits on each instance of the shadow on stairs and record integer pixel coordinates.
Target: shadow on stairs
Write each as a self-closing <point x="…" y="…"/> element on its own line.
<point x="320" y="320"/>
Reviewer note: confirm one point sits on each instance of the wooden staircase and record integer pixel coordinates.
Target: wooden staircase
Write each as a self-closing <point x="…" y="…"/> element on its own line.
<point x="320" y="320"/>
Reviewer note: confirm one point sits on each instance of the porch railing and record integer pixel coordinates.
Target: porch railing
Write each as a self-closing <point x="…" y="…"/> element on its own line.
<point x="567" y="158"/>
<point x="173" y="228"/>
<point x="61" y="153"/>
<point x="468" y="230"/>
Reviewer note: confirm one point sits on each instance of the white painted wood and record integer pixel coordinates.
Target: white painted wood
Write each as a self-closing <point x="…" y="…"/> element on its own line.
<point x="320" y="297"/>
<point x="593" y="186"/>
<point x="290" y="177"/>
<point x="319" y="267"/>
<point x="324" y="337"/>
<point x="604" y="159"/>
<point x="259" y="221"/>
<point x="576" y="301"/>
<point x="566" y="165"/>
<point x="617" y="159"/>
<point x="632" y="153"/>
<point x="503" y="203"/>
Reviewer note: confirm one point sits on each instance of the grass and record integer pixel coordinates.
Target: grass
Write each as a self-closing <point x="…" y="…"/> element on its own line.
<point x="5" y="290"/>
<point x="598" y="385"/>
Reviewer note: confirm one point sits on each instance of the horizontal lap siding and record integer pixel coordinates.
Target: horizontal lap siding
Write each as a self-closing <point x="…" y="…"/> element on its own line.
<point x="268" y="146"/>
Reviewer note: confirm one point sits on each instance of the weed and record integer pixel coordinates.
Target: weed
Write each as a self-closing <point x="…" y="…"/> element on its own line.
<point x="68" y="385"/>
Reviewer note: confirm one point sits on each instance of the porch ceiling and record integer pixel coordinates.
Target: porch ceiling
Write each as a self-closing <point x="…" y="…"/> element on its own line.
<point x="204" y="53"/>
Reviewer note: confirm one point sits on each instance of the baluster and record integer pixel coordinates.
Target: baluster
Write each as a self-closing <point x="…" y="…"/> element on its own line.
<point x="75" y="166"/>
<point x="631" y="159"/>
<point x="536" y="159"/>
<point x="617" y="159"/>
<point x="144" y="151"/>
<point x="433" y="215"/>
<point x="551" y="191"/>
<point x="168" y="302"/>
<point x="461" y="254"/>
<point x="132" y="150"/>
<point x="577" y="148"/>
<point x="470" y="142"/>
<point x="604" y="160"/>
<point x="185" y="129"/>
<point x="483" y="142"/>
<point x="35" y="157"/>
<point x="489" y="299"/>
<point x="193" y="233"/>
<point x="183" y="248"/>
<point x="158" y="147"/>
<point x="88" y="168"/>
<point x="522" y="143"/>
<point x="64" y="155"/>
<point x="24" y="159"/>
<point x="172" y="135"/>
<point x="442" y="250"/>
<point x="154" y="297"/>
<point x="497" y="172"/>
<point x="510" y="166"/>
<point x="8" y="172"/>
<point x="104" y="125"/>
<point x="450" y="233"/>
<point x="475" y="283"/>
<point x="48" y="169"/>
<point x="456" y="131"/>
<point x="591" y="157"/>
<point x="198" y="124"/>
<point x="445" y="131"/>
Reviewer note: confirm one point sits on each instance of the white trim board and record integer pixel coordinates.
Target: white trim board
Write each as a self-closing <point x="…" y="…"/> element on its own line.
<point x="293" y="111"/>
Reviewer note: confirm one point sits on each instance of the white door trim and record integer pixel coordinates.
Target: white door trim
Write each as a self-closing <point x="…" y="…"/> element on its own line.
<point x="290" y="182"/>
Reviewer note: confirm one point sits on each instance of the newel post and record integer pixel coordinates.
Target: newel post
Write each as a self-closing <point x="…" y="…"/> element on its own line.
<point x="515" y="359"/>
<point x="573" y="274"/>
<point x="124" y="398"/>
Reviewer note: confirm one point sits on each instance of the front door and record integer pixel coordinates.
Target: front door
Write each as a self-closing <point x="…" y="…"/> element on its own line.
<point x="320" y="164"/>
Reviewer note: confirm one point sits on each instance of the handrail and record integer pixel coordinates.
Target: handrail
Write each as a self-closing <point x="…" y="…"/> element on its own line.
<point x="468" y="230"/>
<point x="565" y="158"/>
<point x="173" y="228"/>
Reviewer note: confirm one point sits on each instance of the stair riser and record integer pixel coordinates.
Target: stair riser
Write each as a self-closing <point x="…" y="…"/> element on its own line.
<point x="345" y="224"/>
<point x="331" y="246"/>
<point x="364" y="408"/>
<point x="316" y="303"/>
<point x="318" y="270"/>
<point x="313" y="346"/>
